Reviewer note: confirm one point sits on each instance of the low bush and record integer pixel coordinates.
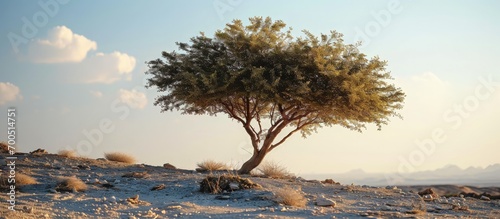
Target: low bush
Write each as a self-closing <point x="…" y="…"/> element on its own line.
<point x="120" y="157"/>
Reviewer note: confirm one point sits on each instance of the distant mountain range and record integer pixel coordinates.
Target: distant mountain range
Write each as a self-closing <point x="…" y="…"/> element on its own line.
<point x="450" y="174"/>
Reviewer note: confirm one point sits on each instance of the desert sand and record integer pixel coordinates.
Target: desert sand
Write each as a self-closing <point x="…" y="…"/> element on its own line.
<point x="119" y="190"/>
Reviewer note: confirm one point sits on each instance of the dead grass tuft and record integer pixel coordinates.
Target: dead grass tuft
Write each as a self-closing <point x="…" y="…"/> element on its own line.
<point x="67" y="153"/>
<point x="70" y="184"/>
<point x="21" y="180"/>
<point x="274" y="170"/>
<point x="291" y="197"/>
<point x="210" y="165"/>
<point x="120" y="157"/>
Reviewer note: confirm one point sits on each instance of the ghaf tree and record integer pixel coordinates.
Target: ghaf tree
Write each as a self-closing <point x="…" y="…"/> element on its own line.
<point x="273" y="84"/>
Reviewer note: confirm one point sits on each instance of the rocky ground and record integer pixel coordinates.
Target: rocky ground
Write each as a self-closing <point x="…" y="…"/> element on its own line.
<point x="118" y="190"/>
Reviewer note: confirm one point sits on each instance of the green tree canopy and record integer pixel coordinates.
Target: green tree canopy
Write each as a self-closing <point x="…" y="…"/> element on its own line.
<point x="270" y="82"/>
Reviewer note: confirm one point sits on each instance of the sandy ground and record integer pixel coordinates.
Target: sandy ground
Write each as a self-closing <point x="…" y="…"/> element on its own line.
<point x="108" y="191"/>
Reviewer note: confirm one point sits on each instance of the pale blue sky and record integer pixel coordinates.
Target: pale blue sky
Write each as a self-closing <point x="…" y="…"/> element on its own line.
<point x="436" y="50"/>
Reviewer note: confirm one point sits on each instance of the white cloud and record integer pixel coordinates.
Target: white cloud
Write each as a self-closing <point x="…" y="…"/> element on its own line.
<point x="133" y="98"/>
<point x="106" y="68"/>
<point x="61" y="45"/>
<point x="9" y="92"/>
<point x="97" y="94"/>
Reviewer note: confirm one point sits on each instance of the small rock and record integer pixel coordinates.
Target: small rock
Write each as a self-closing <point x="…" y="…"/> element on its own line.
<point x="169" y="166"/>
<point x="443" y="200"/>
<point x="223" y="197"/>
<point x="158" y="187"/>
<point x="83" y="167"/>
<point x="324" y="202"/>
<point x="108" y="185"/>
<point x="486" y="198"/>
<point x="314" y="181"/>
<point x="234" y="186"/>
<point x="201" y="170"/>
<point x="428" y="197"/>
<point x="39" y="151"/>
<point x="329" y="181"/>
<point x="428" y="194"/>
<point x="387" y="208"/>
<point x="53" y="191"/>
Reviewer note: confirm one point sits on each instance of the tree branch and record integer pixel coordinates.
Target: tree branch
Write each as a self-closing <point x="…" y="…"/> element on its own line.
<point x="246" y="125"/>
<point x="271" y="114"/>
<point x="299" y="127"/>
<point x="288" y="135"/>
<point x="230" y="111"/>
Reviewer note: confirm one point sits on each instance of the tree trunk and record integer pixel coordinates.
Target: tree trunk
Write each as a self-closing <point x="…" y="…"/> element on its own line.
<point x="253" y="162"/>
<point x="258" y="155"/>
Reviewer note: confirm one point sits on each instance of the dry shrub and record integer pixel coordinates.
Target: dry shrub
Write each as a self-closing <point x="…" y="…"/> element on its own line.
<point x="4" y="148"/>
<point x="226" y="182"/>
<point x="120" y="157"/>
<point x="274" y="170"/>
<point x="21" y="180"/>
<point x="210" y="165"/>
<point x="67" y="153"/>
<point x="291" y="197"/>
<point x="70" y="184"/>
